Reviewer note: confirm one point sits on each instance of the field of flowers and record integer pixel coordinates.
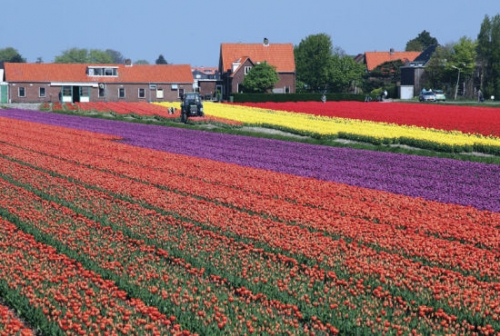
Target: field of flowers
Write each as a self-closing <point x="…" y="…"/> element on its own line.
<point x="137" y="110"/>
<point x="386" y="123"/>
<point x="124" y="228"/>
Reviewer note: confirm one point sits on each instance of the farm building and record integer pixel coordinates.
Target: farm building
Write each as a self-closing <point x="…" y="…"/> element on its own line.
<point x="206" y="81"/>
<point x="51" y="82"/>
<point x="236" y="60"/>
<point x="373" y="59"/>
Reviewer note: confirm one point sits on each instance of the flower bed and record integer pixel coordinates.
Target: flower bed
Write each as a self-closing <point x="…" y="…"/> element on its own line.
<point x="11" y="325"/>
<point x="445" y="180"/>
<point x="201" y="241"/>
<point x="359" y="130"/>
<point x="466" y="119"/>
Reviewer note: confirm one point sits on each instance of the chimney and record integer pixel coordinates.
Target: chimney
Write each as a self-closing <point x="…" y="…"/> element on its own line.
<point x="391" y="51"/>
<point x="266" y="41"/>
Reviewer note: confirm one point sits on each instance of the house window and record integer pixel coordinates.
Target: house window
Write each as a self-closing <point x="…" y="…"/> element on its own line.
<point x="247" y="69"/>
<point x="121" y="93"/>
<point x="85" y="91"/>
<point x="142" y="93"/>
<point x="66" y="91"/>
<point x="102" y="92"/>
<point x="102" y="71"/>
<point x="109" y="72"/>
<point x="181" y="93"/>
<point x="159" y="93"/>
<point x="41" y="92"/>
<point x="287" y="89"/>
<point x="21" y="91"/>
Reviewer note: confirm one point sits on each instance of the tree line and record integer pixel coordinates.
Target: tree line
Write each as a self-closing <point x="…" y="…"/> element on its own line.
<point x="78" y="55"/>
<point x="460" y="68"/>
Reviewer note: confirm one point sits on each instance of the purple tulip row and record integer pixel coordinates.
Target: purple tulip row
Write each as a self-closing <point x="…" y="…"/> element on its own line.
<point x="444" y="180"/>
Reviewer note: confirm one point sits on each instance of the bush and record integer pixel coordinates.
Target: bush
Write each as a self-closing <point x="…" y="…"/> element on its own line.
<point x="293" y="97"/>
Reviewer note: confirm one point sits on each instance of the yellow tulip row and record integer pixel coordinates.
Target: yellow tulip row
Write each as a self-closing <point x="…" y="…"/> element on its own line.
<point x="375" y="132"/>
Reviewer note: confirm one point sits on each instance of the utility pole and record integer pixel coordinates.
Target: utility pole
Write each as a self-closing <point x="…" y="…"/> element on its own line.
<point x="458" y="80"/>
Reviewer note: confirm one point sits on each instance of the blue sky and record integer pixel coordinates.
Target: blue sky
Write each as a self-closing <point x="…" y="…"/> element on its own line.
<point x="190" y="32"/>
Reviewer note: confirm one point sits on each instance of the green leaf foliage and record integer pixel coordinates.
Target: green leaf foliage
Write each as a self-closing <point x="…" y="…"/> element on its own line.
<point x="261" y="78"/>
<point x="421" y="42"/>
<point x="313" y="61"/>
<point x="92" y="56"/>
<point x="11" y="55"/>
<point x="488" y="52"/>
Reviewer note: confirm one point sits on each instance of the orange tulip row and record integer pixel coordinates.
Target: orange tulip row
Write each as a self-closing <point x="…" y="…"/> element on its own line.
<point x="79" y="301"/>
<point x="124" y="108"/>
<point x="10" y="324"/>
<point x="141" y="264"/>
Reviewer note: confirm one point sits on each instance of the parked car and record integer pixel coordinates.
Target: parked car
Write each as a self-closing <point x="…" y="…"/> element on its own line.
<point x="426" y="96"/>
<point x="440" y="96"/>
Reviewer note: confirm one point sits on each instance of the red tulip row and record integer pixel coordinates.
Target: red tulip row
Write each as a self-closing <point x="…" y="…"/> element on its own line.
<point x="317" y="249"/>
<point x="12" y="325"/>
<point x="146" y="266"/>
<point x="139" y="108"/>
<point x="76" y="300"/>
<point x="467" y="119"/>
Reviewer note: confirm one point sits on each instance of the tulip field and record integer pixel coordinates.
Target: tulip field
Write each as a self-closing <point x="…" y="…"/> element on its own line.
<point x="121" y="228"/>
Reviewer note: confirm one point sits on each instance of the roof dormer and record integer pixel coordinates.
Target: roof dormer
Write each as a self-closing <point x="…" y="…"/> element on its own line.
<point x="102" y="71"/>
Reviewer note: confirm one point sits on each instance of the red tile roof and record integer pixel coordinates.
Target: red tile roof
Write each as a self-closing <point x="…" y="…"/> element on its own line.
<point x="58" y="72"/>
<point x="376" y="58"/>
<point x="279" y="55"/>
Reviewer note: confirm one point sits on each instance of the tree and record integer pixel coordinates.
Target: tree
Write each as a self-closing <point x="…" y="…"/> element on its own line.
<point x="92" y="56"/>
<point x="452" y="66"/>
<point x="96" y="56"/>
<point x="11" y="55"/>
<point x="313" y="61"/>
<point x="321" y="67"/>
<point x="344" y="72"/>
<point x="261" y="78"/>
<point x="464" y="56"/>
<point x="463" y="64"/>
<point x="437" y="74"/>
<point x="141" y="62"/>
<point x="488" y="52"/>
<point x="116" y="56"/>
<point x="161" y="60"/>
<point x="73" y="55"/>
<point x="421" y="42"/>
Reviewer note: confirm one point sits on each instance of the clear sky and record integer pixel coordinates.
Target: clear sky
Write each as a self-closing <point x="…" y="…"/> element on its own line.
<point x="191" y="31"/>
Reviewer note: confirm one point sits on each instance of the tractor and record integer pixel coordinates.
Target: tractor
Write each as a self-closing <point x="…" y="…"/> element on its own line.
<point x="191" y="106"/>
